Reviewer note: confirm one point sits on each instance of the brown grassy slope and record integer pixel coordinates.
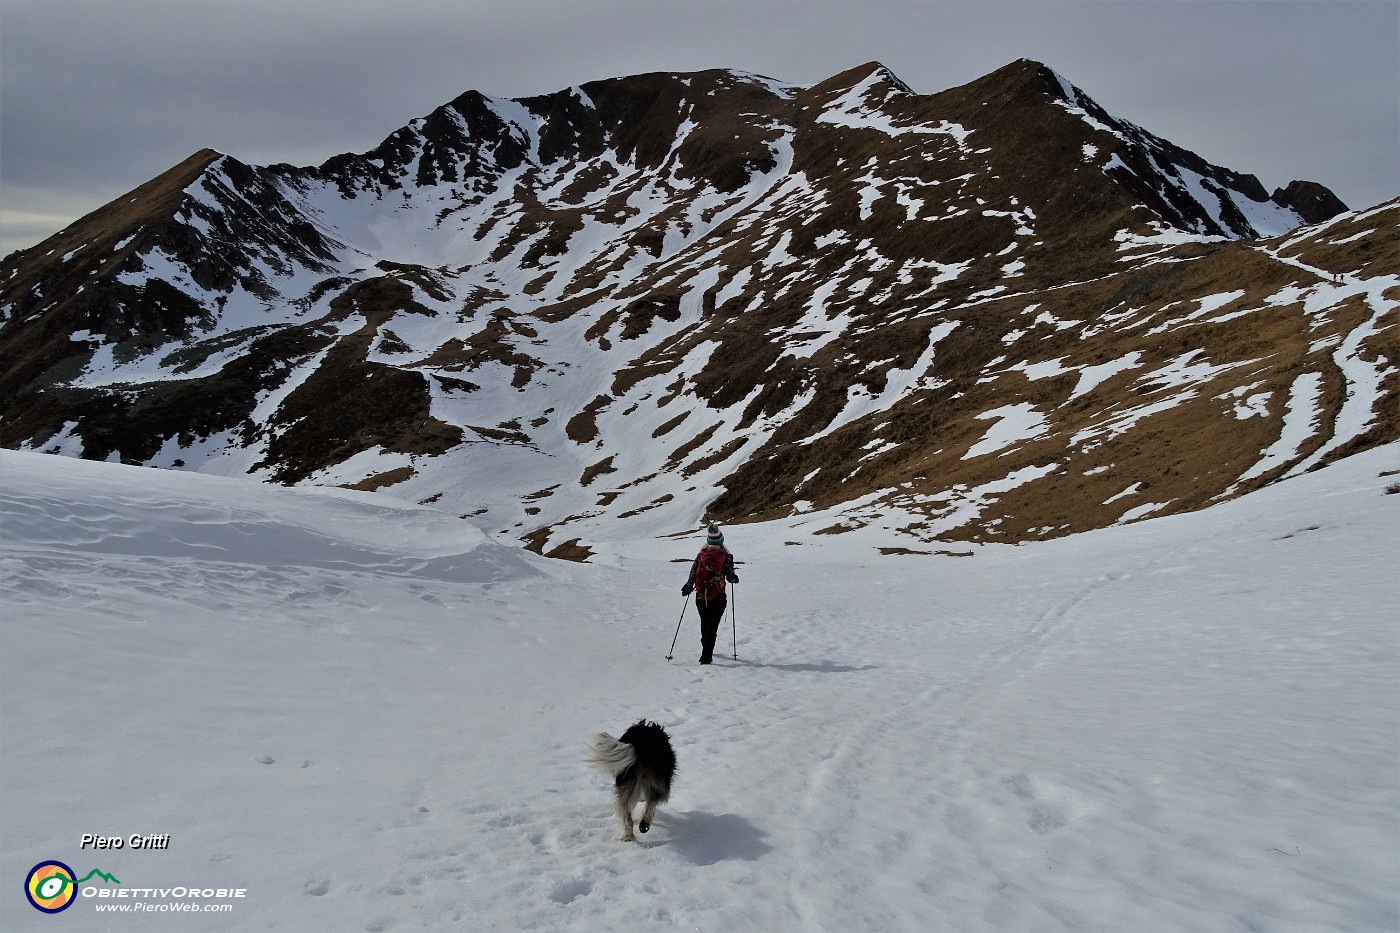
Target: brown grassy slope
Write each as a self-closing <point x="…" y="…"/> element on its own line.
<point x="42" y="289"/>
<point x="1183" y="456"/>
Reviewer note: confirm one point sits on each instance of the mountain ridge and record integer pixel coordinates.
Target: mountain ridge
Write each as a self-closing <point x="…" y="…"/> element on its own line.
<point x="668" y="294"/>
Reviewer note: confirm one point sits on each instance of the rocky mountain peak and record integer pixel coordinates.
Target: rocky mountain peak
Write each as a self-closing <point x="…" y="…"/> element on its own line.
<point x="871" y="77"/>
<point x="1313" y="202"/>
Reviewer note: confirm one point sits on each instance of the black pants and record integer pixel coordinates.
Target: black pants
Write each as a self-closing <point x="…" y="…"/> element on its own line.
<point x="711" y="615"/>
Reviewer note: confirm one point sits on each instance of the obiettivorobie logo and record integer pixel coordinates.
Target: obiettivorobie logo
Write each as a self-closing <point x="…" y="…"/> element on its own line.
<point x="52" y="886"/>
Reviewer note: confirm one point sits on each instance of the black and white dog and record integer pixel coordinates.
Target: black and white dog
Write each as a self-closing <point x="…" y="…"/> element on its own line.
<point x="642" y="765"/>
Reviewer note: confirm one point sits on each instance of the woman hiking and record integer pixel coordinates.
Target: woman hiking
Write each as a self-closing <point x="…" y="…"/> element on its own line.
<point x="711" y="567"/>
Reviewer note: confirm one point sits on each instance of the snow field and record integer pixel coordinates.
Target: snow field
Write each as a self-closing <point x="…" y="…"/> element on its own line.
<point x="372" y="717"/>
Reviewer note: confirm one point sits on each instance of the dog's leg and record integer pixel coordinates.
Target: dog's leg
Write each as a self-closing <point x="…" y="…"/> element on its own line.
<point x="624" y="813"/>
<point x="647" y="815"/>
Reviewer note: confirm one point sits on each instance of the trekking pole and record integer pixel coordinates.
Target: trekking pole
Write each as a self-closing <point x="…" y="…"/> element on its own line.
<point x="684" y="601"/>
<point x="733" y="623"/>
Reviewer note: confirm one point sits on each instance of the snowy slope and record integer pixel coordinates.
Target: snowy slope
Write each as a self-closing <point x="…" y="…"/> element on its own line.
<point x="366" y="715"/>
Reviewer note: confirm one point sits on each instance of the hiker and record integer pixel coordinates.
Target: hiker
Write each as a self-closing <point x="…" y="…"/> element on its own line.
<point x="711" y="567"/>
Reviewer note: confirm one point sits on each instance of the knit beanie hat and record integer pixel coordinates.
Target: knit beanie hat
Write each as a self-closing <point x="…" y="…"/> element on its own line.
<point x="713" y="535"/>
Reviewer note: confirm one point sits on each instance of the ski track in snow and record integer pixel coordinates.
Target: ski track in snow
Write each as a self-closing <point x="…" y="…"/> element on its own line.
<point x="373" y="717"/>
<point x="849" y="791"/>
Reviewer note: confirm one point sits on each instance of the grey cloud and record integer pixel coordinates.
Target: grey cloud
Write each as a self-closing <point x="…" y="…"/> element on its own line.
<point x="98" y="97"/>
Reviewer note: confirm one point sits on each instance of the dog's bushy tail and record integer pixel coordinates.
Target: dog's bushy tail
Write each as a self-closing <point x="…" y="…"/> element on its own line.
<point x="609" y="755"/>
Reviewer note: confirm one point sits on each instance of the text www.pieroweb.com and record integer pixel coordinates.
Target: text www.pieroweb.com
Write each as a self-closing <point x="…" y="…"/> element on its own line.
<point x="176" y="907"/>
<point x="166" y="900"/>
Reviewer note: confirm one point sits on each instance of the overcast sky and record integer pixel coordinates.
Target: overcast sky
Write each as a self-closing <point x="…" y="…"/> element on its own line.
<point x="98" y="96"/>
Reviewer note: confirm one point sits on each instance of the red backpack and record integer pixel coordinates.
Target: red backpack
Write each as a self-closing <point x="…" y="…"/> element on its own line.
<point x="709" y="572"/>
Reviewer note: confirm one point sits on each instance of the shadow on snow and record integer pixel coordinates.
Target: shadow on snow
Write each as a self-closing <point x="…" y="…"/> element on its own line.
<point x="822" y="667"/>
<point x="706" y="838"/>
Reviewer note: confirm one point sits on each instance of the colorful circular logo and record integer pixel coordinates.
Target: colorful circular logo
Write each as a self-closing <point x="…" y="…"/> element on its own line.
<point x="50" y="887"/>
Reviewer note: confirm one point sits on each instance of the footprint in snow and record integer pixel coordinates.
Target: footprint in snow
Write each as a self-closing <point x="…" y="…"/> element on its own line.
<point x="1045" y="819"/>
<point x="568" y="891"/>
